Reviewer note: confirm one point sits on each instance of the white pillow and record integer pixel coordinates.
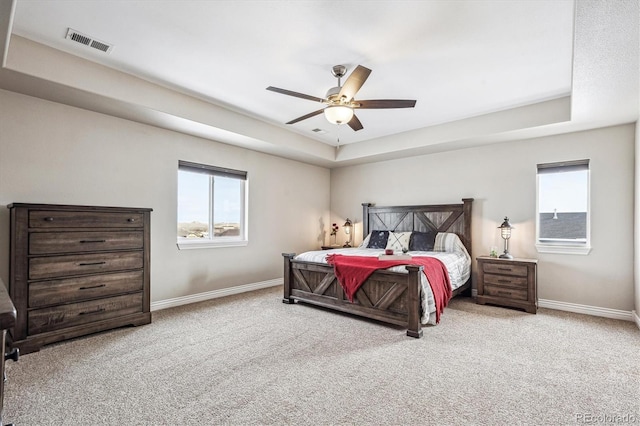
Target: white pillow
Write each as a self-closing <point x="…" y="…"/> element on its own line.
<point x="398" y="241"/>
<point x="365" y="242"/>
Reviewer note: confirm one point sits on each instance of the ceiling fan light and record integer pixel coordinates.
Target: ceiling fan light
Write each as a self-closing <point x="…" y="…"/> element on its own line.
<point x="338" y="114"/>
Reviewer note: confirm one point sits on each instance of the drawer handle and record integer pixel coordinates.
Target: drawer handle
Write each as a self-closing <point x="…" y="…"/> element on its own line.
<point x="96" y="311"/>
<point x="131" y="220"/>
<point x="504" y="281"/>
<point x="48" y="219"/>
<point x="93" y="286"/>
<point x="503" y="269"/>
<point x="93" y="241"/>
<point x="91" y="263"/>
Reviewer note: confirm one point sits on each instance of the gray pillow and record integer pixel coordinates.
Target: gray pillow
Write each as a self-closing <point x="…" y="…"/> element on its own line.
<point x="378" y="239"/>
<point x="422" y="241"/>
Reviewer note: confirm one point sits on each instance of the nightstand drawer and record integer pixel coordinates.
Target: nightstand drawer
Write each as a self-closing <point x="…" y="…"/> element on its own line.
<point x="505" y="268"/>
<point x="505" y="280"/>
<point x="510" y="293"/>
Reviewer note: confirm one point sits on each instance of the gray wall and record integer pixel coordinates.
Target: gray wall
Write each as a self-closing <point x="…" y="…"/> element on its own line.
<point x="502" y="179"/>
<point x="52" y="153"/>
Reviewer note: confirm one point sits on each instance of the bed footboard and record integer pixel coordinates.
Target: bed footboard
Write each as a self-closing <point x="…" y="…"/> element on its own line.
<point x="389" y="297"/>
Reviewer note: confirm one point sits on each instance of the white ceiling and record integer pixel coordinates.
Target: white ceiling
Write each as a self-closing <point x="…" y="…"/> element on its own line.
<point x="461" y="61"/>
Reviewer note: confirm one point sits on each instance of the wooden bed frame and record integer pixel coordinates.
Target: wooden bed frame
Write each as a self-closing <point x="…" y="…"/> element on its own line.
<point x="390" y="297"/>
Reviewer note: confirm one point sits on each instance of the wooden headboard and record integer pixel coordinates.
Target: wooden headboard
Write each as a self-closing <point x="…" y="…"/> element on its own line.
<point x="439" y="218"/>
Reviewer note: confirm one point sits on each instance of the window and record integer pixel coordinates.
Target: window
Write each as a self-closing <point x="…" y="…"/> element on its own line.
<point x="563" y="208"/>
<point x="212" y="206"/>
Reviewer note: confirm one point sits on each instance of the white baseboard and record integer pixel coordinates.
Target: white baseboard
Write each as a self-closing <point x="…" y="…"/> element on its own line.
<point x="636" y="318"/>
<point x="586" y="309"/>
<point x="214" y="294"/>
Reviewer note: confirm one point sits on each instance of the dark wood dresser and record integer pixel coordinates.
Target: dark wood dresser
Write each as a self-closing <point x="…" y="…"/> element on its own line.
<point x="76" y="270"/>
<point x="508" y="282"/>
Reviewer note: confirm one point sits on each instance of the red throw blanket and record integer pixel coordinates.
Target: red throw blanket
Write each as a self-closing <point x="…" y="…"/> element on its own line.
<point x="352" y="272"/>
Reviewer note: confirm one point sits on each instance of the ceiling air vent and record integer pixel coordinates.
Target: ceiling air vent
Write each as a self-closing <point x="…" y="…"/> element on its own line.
<point x="88" y="41"/>
<point x="319" y="131"/>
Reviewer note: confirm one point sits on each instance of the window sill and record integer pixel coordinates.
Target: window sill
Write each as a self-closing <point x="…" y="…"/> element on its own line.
<point x="206" y="244"/>
<point x="563" y="249"/>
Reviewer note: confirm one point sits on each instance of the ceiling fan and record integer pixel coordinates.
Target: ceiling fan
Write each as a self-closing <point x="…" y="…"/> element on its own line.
<point x="340" y="100"/>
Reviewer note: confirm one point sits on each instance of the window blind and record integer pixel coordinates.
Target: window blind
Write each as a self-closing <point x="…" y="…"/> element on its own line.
<point x="564" y="166"/>
<point x="188" y="166"/>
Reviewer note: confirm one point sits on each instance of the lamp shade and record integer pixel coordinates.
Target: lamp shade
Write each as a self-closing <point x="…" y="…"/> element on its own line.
<point x="505" y="229"/>
<point x="347" y="230"/>
<point x="338" y="114"/>
<point x="347" y="226"/>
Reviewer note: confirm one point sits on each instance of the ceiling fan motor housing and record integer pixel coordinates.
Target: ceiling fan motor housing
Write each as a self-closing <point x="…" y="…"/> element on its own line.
<point x="332" y="94"/>
<point x="339" y="71"/>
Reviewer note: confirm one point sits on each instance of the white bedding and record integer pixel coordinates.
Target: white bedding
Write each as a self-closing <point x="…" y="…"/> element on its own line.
<point x="456" y="260"/>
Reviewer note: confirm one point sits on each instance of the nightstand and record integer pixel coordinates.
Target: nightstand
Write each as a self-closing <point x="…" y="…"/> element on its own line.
<point x="508" y="282"/>
<point x="330" y="247"/>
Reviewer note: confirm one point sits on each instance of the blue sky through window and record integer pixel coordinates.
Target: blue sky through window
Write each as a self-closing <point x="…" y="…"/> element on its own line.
<point x="193" y="198"/>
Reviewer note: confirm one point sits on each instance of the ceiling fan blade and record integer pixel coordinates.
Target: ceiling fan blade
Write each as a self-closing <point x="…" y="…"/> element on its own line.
<point x="386" y="103"/>
<point x="304" y="117"/>
<point x="355" y="124"/>
<point x="354" y="82"/>
<point x="295" y="94"/>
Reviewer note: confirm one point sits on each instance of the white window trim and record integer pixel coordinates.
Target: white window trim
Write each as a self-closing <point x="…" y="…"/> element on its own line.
<point x="187" y="244"/>
<point x="564" y="247"/>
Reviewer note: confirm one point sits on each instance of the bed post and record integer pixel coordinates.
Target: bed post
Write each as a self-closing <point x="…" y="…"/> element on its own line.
<point x="287" y="277"/>
<point x="466" y="210"/>
<point x="365" y="219"/>
<point x="414" y="303"/>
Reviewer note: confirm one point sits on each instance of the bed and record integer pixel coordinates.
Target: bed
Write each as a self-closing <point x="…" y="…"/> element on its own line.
<point x="394" y="296"/>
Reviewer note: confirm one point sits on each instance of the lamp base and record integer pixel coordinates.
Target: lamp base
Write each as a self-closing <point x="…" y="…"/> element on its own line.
<point x="505" y="255"/>
<point x="346" y="245"/>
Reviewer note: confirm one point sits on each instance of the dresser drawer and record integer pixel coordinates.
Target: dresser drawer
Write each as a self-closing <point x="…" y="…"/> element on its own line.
<point x="503" y="292"/>
<point x="62" y="266"/>
<point x="505" y="280"/>
<point x="69" y="242"/>
<point x="68" y="290"/>
<point x="64" y="219"/>
<point x="505" y="268"/>
<point x="63" y="316"/>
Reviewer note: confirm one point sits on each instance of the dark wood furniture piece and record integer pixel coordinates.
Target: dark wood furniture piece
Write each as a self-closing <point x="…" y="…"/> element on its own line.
<point x="390" y="297"/>
<point x="76" y="270"/>
<point x="7" y="321"/>
<point x="508" y="282"/>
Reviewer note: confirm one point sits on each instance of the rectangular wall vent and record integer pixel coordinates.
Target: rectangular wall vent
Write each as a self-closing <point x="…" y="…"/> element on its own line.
<point x="88" y="41"/>
<point x="319" y="131"/>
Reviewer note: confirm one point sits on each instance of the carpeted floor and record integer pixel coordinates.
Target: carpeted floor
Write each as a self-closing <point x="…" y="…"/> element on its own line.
<point x="250" y="359"/>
